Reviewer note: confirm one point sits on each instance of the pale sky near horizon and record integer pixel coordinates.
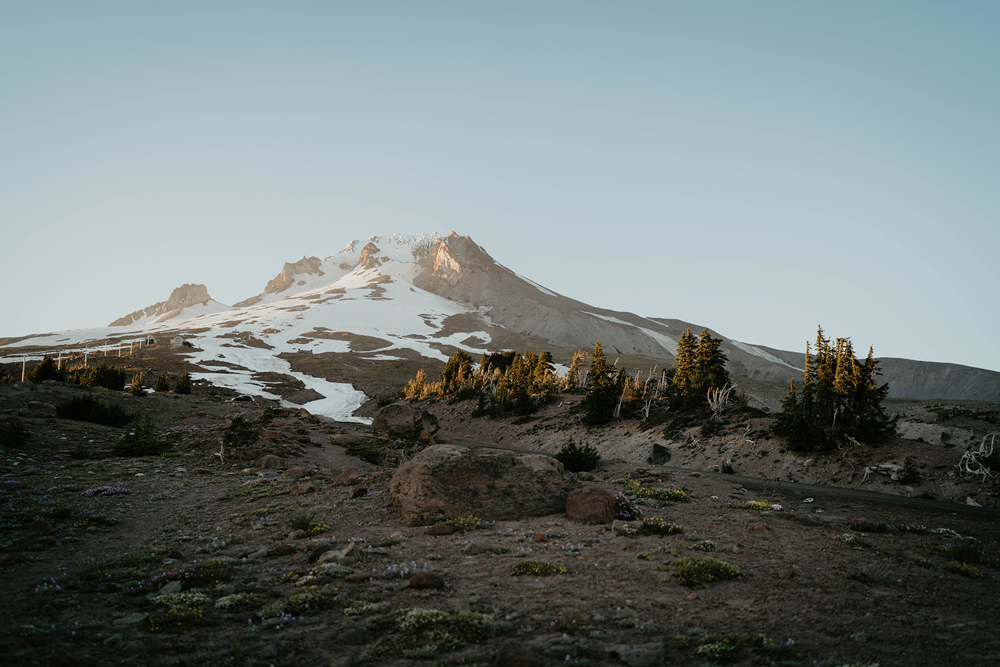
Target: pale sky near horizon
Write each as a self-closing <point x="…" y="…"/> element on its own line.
<point x="755" y="167"/>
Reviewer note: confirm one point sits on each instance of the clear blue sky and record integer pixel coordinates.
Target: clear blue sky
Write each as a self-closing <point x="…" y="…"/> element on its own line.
<point x="757" y="167"/>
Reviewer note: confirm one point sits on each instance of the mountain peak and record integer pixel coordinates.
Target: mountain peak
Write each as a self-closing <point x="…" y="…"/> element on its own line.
<point x="183" y="297"/>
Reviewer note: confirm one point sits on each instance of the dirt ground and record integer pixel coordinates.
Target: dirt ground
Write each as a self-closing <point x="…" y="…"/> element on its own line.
<point x="80" y="587"/>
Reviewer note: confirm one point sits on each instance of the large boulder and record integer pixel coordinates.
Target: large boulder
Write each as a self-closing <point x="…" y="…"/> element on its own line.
<point x="399" y="417"/>
<point x="449" y="481"/>
<point x="591" y="504"/>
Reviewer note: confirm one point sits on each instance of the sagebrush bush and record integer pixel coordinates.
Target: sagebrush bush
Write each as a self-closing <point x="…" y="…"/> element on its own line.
<point x="576" y="458"/>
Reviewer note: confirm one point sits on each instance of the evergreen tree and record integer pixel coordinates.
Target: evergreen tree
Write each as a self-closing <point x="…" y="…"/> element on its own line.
<point x="414" y="388"/>
<point x="572" y="381"/>
<point x="183" y="385"/>
<point x="685" y="364"/>
<point x="711" y="364"/>
<point x="456" y="372"/>
<point x="543" y="370"/>
<point x="840" y="399"/>
<point x="602" y="389"/>
<point x="136" y="388"/>
<point x="46" y="369"/>
<point x="162" y="383"/>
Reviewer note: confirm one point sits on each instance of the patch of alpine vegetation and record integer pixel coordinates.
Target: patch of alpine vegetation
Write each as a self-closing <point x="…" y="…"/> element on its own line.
<point x="427" y="633"/>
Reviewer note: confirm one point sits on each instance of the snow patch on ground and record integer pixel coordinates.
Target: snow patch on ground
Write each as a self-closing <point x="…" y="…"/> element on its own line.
<point x="757" y="352"/>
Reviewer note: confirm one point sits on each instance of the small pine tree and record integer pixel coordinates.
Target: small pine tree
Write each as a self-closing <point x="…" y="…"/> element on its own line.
<point x="162" y="384"/>
<point x="711" y="364"/>
<point x="572" y="381"/>
<point x="136" y="388"/>
<point x="183" y="385"/>
<point x="414" y="388"/>
<point x="686" y="365"/>
<point x="46" y="369"/>
<point x="603" y="389"/>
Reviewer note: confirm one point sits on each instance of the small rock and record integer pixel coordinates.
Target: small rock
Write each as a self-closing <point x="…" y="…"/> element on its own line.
<point x="271" y="434"/>
<point x="426" y="580"/>
<point x="269" y="462"/>
<point x="737" y="549"/>
<point x="619" y="526"/>
<point x="302" y="488"/>
<point x="357" y="492"/>
<point x="541" y="537"/>
<point x="268" y="652"/>
<point x="972" y="503"/>
<point x="787" y="573"/>
<point x="114" y="639"/>
<point x="860" y="637"/>
<point x="297" y="534"/>
<point x="297" y="472"/>
<point x="280" y="550"/>
<point x="175" y="554"/>
<point x="130" y="619"/>
<point x="357" y="577"/>
<point x="171" y="587"/>
<point x="477" y="547"/>
<point x="439" y="529"/>
<point x="257" y="555"/>
<point x="760" y="528"/>
<point x="318" y="550"/>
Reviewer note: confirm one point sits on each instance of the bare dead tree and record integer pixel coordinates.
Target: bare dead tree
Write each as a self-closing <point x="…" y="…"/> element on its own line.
<point x="973" y="460"/>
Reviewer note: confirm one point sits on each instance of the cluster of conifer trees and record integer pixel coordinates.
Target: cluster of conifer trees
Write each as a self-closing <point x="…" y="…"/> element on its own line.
<point x="504" y="383"/>
<point x="840" y="398"/>
<point x="509" y="383"/>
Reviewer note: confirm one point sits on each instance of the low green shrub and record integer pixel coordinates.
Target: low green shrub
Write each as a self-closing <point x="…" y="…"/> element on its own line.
<point x="577" y="458"/>
<point x="536" y="568"/>
<point x="693" y="572"/>
<point x="967" y="550"/>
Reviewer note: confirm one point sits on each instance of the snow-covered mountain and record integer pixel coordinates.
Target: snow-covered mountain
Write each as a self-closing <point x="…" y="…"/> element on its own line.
<point x="328" y="325"/>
